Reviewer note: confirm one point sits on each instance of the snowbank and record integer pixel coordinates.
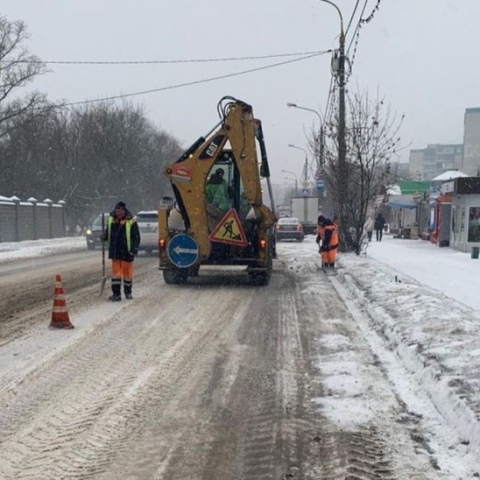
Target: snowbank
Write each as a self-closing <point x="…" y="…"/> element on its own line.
<point x="10" y="251"/>
<point x="437" y="339"/>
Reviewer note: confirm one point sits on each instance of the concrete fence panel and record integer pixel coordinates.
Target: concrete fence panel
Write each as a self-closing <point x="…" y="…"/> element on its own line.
<point x="30" y="220"/>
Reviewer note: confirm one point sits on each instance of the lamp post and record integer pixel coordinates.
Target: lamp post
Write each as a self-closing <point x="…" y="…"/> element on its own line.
<point x="305" y="178"/>
<point x="305" y="167"/>
<point x="320" y="135"/>
<point x="338" y="67"/>
<point x="294" y="105"/>
<point x="296" y="179"/>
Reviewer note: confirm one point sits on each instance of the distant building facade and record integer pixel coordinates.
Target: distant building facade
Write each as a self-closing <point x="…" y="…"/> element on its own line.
<point x="416" y="160"/>
<point x="428" y="163"/>
<point x="471" y="142"/>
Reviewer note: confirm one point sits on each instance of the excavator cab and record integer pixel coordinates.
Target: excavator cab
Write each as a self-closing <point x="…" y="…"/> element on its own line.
<point x="218" y="195"/>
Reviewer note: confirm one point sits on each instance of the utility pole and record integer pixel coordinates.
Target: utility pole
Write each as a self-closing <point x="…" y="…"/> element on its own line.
<point x="321" y="152"/>
<point x="305" y="170"/>
<point x="342" y="145"/>
<point x="339" y="71"/>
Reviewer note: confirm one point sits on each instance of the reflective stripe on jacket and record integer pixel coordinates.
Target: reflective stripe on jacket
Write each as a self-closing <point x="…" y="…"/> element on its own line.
<point x="123" y="238"/>
<point x="128" y="228"/>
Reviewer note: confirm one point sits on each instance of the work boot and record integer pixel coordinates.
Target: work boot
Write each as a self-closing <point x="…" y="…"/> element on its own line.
<point x="332" y="265"/>
<point x="115" y="298"/>
<point x="129" y="296"/>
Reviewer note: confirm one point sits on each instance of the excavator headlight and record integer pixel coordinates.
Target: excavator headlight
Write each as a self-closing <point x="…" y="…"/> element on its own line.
<point x="161" y="243"/>
<point x="263" y="244"/>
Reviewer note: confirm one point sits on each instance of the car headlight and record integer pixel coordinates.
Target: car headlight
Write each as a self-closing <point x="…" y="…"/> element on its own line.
<point x="88" y="232"/>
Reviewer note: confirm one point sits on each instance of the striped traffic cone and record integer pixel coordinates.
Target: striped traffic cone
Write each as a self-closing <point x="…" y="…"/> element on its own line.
<point x="60" y="317"/>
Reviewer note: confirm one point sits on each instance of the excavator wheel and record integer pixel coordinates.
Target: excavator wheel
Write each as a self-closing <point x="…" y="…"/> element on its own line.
<point x="175" y="276"/>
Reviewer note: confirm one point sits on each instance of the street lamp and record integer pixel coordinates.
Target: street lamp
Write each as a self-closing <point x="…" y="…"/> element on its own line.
<point x="320" y="135"/>
<point x="296" y="179"/>
<point x="294" y="105"/>
<point x="339" y="13"/>
<point x="305" y="168"/>
<point x="339" y="70"/>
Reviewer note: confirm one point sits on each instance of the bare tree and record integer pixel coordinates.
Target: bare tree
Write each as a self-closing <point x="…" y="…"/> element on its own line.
<point x="90" y="157"/>
<point x="372" y="137"/>
<point x="18" y="67"/>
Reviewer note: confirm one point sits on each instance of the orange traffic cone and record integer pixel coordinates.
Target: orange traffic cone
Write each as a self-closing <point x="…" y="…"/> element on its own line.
<point x="60" y="317"/>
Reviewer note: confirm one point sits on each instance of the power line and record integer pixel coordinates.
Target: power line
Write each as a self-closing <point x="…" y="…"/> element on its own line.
<point x="150" y="62"/>
<point x="352" y="17"/>
<point x="196" y="82"/>
<point x="362" y="21"/>
<point x="359" y="25"/>
<point x="328" y="105"/>
<point x="372" y="15"/>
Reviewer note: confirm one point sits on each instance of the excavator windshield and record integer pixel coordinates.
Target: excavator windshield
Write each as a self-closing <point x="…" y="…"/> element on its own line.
<point x="224" y="189"/>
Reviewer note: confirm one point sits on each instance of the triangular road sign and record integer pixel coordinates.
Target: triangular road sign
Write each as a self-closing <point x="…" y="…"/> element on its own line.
<point x="229" y="230"/>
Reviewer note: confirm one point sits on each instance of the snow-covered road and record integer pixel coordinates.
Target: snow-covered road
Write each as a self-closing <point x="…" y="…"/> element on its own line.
<point x="219" y="379"/>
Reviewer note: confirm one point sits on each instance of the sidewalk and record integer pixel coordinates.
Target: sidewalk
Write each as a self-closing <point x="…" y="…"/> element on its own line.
<point x="453" y="273"/>
<point x="424" y="302"/>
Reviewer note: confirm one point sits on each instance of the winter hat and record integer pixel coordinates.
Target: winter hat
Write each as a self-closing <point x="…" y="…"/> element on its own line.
<point x="121" y="206"/>
<point x="321" y="219"/>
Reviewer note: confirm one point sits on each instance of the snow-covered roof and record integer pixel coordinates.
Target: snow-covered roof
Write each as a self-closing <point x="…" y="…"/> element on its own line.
<point x="450" y="175"/>
<point x="394" y="190"/>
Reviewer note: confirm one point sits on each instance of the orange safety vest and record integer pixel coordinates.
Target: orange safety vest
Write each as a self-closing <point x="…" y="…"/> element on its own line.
<point x="334" y="238"/>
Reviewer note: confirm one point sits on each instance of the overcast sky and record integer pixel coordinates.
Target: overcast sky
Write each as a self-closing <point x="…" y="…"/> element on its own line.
<point x="421" y="54"/>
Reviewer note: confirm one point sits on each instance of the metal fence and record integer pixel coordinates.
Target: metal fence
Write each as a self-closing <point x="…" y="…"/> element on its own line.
<point x="31" y="220"/>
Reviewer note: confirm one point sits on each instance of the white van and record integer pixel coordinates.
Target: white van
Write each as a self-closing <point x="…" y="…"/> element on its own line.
<point x="148" y="225"/>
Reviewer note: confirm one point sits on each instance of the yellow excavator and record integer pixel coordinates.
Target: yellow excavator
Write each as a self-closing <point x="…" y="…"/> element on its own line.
<point x="217" y="215"/>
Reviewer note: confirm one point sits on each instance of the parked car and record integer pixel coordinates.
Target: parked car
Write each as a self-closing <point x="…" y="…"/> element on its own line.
<point x="94" y="231"/>
<point x="148" y="225"/>
<point x="289" y="229"/>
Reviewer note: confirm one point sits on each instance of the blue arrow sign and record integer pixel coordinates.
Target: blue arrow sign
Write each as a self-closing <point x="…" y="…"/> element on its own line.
<point x="183" y="250"/>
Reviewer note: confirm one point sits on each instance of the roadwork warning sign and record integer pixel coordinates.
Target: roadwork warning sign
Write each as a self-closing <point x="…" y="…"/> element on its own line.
<point x="229" y="230"/>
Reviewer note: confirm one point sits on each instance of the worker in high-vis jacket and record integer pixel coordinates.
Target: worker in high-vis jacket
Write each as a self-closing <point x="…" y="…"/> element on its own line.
<point x="328" y="236"/>
<point x="123" y="237"/>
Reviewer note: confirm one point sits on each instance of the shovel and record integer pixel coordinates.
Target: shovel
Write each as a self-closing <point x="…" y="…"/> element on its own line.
<point x="104" y="278"/>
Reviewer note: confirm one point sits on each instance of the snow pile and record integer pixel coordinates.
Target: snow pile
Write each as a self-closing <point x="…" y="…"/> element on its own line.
<point x="10" y="251"/>
<point x="437" y="339"/>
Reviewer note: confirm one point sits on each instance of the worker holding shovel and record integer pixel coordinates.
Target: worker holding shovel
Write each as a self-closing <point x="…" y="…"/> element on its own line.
<point x="123" y="238"/>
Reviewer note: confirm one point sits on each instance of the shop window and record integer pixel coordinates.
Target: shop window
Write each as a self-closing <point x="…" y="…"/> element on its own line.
<point x="474" y="225"/>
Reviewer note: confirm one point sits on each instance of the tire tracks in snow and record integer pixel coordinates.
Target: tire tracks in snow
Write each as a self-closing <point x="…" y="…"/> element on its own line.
<point x="68" y="421"/>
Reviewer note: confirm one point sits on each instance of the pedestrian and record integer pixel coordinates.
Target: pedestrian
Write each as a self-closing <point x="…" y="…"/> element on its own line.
<point x="369" y="226"/>
<point x="123" y="238"/>
<point x="379" y="226"/>
<point x="328" y="234"/>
